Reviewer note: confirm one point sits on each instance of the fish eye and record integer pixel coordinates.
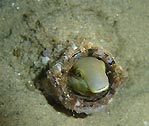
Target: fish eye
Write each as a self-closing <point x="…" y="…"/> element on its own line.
<point x="79" y="73"/>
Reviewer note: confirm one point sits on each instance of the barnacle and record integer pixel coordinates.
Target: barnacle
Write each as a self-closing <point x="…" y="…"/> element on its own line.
<point x="84" y="78"/>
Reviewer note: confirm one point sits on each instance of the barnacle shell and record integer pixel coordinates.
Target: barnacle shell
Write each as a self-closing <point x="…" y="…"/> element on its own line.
<point x="59" y="89"/>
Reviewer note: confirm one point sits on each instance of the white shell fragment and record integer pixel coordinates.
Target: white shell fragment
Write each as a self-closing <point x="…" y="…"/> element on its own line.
<point x="45" y="59"/>
<point x="73" y="46"/>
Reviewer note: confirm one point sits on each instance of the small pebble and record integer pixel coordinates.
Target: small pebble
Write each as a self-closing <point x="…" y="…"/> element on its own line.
<point x="45" y="59"/>
<point x="100" y="53"/>
<point x="30" y="85"/>
<point x="46" y="53"/>
<point x="18" y="8"/>
<point x="109" y="59"/>
<point x="58" y="66"/>
<point x="74" y="47"/>
<point x="12" y="4"/>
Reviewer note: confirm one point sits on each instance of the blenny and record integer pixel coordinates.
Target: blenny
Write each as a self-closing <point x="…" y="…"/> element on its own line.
<point x="83" y="78"/>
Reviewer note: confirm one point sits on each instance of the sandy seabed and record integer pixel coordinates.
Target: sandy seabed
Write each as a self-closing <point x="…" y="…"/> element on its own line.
<point x="28" y="27"/>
